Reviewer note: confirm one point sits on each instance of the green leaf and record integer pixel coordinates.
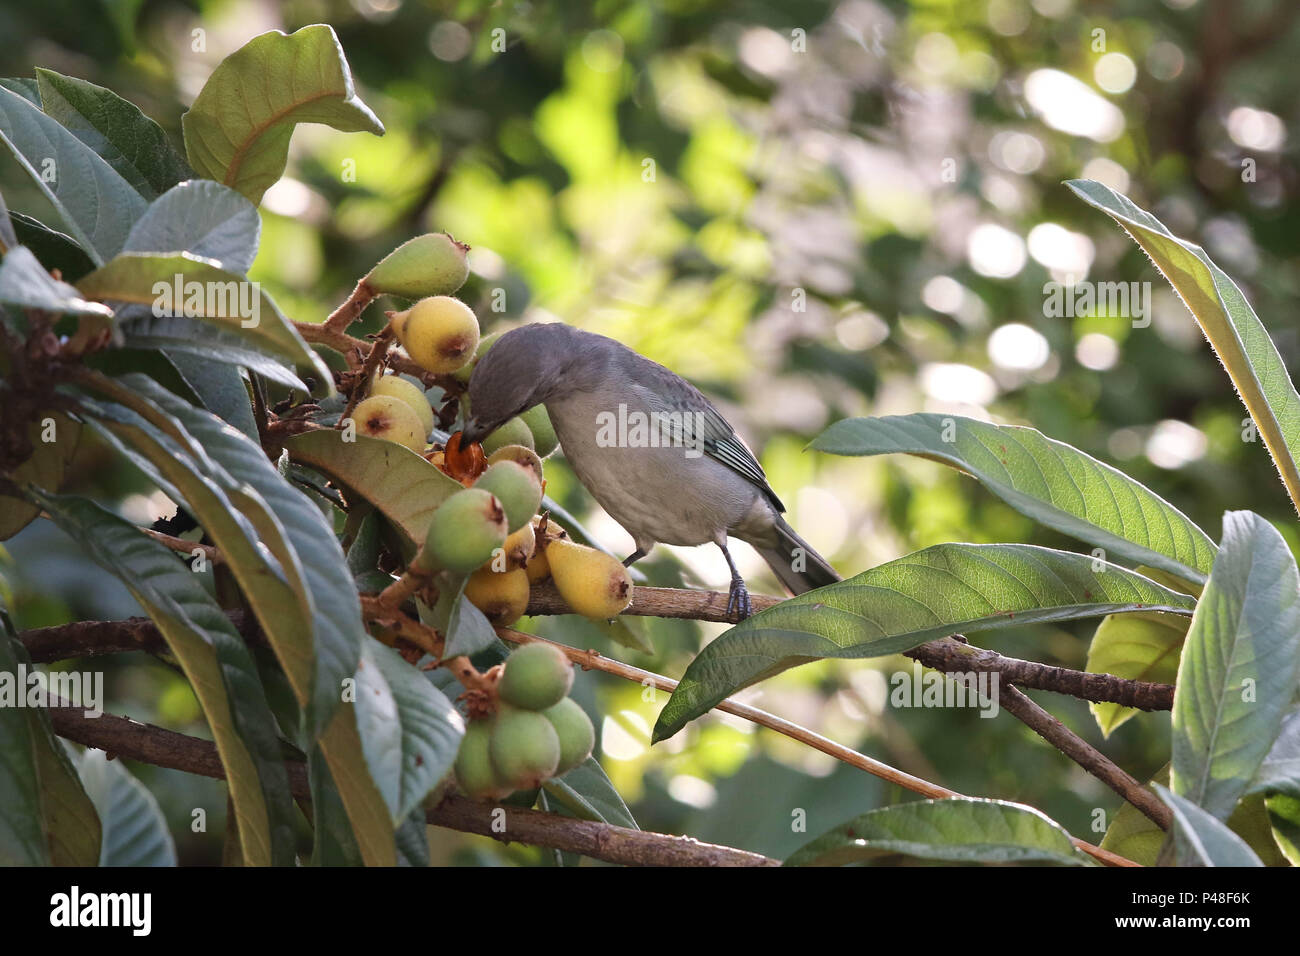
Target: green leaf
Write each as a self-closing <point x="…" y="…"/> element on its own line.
<point x="26" y="283"/>
<point x="54" y="249"/>
<point x="333" y="842"/>
<point x="587" y="793"/>
<point x="8" y="238"/>
<point x="304" y="545"/>
<point x="1204" y="840"/>
<point x="1047" y="480"/>
<point x="465" y="628"/>
<point x="1284" y="818"/>
<point x="959" y="830"/>
<point x="96" y="203"/>
<point x="413" y="840"/>
<point x="204" y="219"/>
<point x="22" y="837"/>
<point x="205" y="343"/>
<point x="892" y="608"/>
<point x="1142" y="646"/>
<point x="135" y="831"/>
<point x="68" y="818"/>
<point x="197" y="288"/>
<point x="124" y="137"/>
<point x="1132" y="834"/>
<point x="1280" y="770"/>
<point x="72" y="828"/>
<point x="219" y="388"/>
<point x="1239" y="668"/>
<point x="44" y="469"/>
<point x="309" y="610"/>
<point x="215" y="661"/>
<point x="238" y="130"/>
<point x="405" y="488"/>
<point x="1234" y="331"/>
<point x="410" y="730"/>
<point x="24" y="86"/>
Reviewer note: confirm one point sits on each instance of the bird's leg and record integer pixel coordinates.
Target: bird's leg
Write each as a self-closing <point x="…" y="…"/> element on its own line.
<point x="633" y="558"/>
<point x="738" y="599"/>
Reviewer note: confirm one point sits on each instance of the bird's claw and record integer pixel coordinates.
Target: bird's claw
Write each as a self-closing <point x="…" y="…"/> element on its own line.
<point x="738" y="607"/>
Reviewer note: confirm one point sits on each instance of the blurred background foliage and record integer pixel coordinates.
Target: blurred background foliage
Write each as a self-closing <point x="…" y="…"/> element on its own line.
<point x="813" y="210"/>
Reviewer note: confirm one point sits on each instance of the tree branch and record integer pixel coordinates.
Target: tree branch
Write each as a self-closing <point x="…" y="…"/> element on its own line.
<point x="592" y="660"/>
<point x="122" y="737"/>
<point x="946" y="654"/>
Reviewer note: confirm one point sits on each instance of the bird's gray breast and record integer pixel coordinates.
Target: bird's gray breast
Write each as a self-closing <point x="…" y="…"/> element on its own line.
<point x="658" y="491"/>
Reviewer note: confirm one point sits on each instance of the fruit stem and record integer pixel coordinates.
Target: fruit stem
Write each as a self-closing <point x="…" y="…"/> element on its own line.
<point x="378" y="352"/>
<point x="348" y="312"/>
<point x="408" y="629"/>
<point x="397" y="593"/>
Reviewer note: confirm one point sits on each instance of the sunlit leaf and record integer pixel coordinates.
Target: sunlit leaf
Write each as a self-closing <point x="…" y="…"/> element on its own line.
<point x="124" y="137"/>
<point x="238" y="130"/>
<point x="1240" y="666"/>
<point x="405" y="488"/>
<point x="894" y="607"/>
<point x="184" y="285"/>
<point x="1205" y="840"/>
<point x="215" y="660"/>
<point x="97" y="205"/>
<point x="1044" y="479"/>
<point x="1235" y="332"/>
<point x="958" y="830"/>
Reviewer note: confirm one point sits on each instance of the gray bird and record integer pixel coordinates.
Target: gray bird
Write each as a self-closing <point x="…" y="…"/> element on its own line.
<point x="651" y="449"/>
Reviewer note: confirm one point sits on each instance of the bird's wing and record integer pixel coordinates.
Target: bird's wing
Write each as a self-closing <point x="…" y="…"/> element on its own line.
<point x="675" y="398"/>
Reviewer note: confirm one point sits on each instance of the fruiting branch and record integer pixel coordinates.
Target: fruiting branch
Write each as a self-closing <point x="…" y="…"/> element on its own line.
<point x="374" y="359"/>
<point x="946" y="654"/>
<point x="592" y="660"/>
<point x="122" y="737"/>
<point x="95" y="638"/>
<point x="351" y="309"/>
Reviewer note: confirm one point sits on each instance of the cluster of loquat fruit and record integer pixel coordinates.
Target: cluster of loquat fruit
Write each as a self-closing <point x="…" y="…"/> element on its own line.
<point x="528" y="730"/>
<point x="491" y="530"/>
<point x="535" y="732"/>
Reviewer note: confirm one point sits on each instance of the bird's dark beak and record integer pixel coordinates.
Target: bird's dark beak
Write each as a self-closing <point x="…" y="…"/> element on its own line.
<point x="472" y="433"/>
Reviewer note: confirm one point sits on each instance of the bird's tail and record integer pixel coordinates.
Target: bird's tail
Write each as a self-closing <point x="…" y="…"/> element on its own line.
<point x="794" y="562"/>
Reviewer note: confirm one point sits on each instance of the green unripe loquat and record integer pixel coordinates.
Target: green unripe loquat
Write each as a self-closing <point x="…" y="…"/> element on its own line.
<point x="464" y="532"/>
<point x="516" y="487"/>
<point x="536" y="676"/>
<point x="576" y="733"/>
<point x="524" y="748"/>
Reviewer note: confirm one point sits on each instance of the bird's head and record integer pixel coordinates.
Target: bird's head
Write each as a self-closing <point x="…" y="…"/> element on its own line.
<point x="523" y="368"/>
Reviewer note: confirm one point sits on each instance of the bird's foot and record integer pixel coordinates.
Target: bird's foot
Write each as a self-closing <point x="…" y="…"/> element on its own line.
<point x="738" y="607"/>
